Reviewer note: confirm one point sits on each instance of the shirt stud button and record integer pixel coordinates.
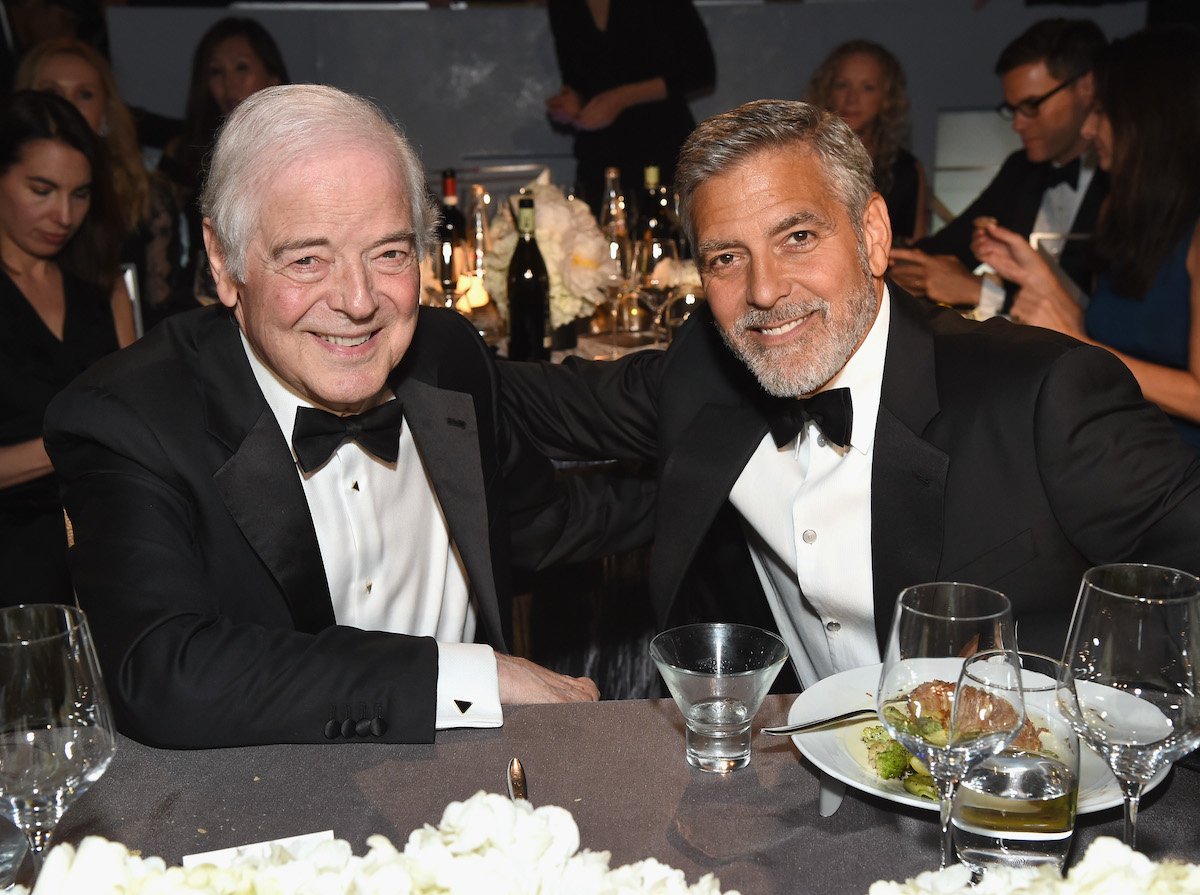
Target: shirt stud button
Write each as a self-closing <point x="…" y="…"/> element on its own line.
<point x="821" y="442"/>
<point x="370" y="584"/>
<point x="833" y="627"/>
<point x="809" y="536"/>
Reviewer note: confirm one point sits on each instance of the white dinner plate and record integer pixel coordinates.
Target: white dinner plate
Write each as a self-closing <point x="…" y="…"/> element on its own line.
<point x="833" y="750"/>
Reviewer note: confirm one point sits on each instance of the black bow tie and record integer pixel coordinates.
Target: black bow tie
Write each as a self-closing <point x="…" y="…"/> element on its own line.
<point x="831" y="411"/>
<point x="318" y="433"/>
<point x="1068" y="174"/>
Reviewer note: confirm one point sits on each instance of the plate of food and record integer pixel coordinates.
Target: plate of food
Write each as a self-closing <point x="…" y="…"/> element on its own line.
<point x="842" y="752"/>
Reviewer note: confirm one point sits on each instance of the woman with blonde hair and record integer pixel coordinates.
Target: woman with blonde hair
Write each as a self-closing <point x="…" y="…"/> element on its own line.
<point x="864" y="84"/>
<point x="143" y="203"/>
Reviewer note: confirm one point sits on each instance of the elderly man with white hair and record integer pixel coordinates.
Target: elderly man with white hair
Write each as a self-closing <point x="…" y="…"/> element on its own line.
<point x="294" y="511"/>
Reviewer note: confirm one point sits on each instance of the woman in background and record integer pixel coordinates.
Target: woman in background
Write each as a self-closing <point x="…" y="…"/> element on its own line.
<point x="144" y="202"/>
<point x="235" y="58"/>
<point x="864" y="84"/>
<point x="627" y="69"/>
<point x="62" y="307"/>
<point x="1145" y="305"/>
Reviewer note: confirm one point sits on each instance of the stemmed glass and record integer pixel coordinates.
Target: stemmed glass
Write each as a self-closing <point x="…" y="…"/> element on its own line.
<point x="657" y="265"/>
<point x="936" y="629"/>
<point x="1129" y="677"/>
<point x="56" y="730"/>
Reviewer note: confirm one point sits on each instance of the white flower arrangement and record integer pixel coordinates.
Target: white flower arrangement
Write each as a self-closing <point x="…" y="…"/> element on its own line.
<point x="1109" y="867"/>
<point x="575" y="252"/>
<point x="486" y="844"/>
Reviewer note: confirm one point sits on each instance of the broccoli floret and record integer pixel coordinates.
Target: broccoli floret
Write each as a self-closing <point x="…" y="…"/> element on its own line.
<point x="876" y="733"/>
<point x="921" y="786"/>
<point x="889" y="759"/>
<point x="897" y="718"/>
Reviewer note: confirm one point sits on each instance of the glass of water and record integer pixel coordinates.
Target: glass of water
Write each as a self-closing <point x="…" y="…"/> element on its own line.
<point x="718" y="675"/>
<point x="56" y="730"/>
<point x="1017" y="808"/>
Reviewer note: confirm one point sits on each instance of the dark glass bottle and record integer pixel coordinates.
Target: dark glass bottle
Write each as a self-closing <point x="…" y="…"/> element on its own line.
<point x="451" y="248"/>
<point x="528" y="293"/>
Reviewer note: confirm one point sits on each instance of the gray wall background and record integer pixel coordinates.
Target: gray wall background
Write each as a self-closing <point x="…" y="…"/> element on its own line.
<point x="469" y="84"/>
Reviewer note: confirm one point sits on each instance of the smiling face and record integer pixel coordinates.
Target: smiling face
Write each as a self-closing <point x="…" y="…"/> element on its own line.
<point x="1054" y="133"/>
<point x="857" y="91"/>
<point x="235" y="71"/>
<point x="330" y="295"/>
<point x="793" y="289"/>
<point x="44" y="198"/>
<point x="75" y="80"/>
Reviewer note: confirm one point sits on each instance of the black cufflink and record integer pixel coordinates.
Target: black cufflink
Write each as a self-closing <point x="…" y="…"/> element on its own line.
<point x="463" y="705"/>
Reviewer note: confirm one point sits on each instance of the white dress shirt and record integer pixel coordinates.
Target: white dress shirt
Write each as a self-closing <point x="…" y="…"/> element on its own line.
<point x="806" y="512"/>
<point x="1056" y="214"/>
<point x="389" y="559"/>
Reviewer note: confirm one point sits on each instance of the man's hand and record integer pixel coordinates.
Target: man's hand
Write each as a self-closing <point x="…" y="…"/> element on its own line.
<point x="939" y="277"/>
<point x="522" y="682"/>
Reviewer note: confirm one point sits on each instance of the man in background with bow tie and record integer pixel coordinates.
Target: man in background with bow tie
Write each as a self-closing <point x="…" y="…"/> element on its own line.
<point x="292" y="510"/>
<point x="1050" y="185"/>
<point x="926" y="447"/>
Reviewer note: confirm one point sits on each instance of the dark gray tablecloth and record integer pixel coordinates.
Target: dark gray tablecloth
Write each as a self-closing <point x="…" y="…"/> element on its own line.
<point x="617" y="766"/>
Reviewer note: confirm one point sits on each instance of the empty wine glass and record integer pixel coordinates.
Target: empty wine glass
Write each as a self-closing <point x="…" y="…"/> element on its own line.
<point x="56" y="730"/>
<point x="1129" y="673"/>
<point x="936" y="628"/>
<point x="657" y="264"/>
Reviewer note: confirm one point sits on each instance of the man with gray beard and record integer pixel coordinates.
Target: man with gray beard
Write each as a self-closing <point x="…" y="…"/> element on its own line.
<point x="823" y="440"/>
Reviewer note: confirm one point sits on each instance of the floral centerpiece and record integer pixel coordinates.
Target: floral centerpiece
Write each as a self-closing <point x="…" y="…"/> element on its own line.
<point x="1109" y="867"/>
<point x="575" y="252"/>
<point x="486" y="844"/>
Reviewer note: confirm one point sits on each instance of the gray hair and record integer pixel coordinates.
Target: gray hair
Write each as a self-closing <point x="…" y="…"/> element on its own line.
<point x="726" y="140"/>
<point x="277" y="126"/>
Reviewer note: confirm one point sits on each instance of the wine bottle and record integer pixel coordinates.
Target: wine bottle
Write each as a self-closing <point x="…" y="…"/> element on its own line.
<point x="657" y="220"/>
<point x="614" y="224"/>
<point x="528" y="293"/>
<point x="451" y="255"/>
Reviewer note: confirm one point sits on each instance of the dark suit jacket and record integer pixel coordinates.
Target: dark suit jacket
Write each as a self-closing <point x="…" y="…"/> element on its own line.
<point x="197" y="562"/>
<point x="1006" y="456"/>
<point x="1013" y="198"/>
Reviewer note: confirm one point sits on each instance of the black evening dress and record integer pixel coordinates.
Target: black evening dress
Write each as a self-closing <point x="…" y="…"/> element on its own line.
<point x="34" y="366"/>
<point x="643" y="40"/>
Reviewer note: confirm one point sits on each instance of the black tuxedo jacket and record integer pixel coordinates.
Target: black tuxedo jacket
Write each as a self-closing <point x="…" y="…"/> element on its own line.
<point x="1013" y="198"/>
<point x="197" y="561"/>
<point x="1005" y="456"/>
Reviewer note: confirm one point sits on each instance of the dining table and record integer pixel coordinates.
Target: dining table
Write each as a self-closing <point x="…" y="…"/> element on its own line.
<point x="617" y="766"/>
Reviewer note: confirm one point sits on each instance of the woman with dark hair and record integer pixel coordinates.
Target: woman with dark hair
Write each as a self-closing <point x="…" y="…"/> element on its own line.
<point x="235" y="58"/>
<point x="1145" y="304"/>
<point x="144" y="201"/>
<point x="864" y="83"/>
<point x="61" y="308"/>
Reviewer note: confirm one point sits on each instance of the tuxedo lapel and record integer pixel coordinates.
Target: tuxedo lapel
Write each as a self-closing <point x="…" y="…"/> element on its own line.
<point x="908" y="475"/>
<point x="444" y="426"/>
<point x="696" y="481"/>
<point x="258" y="482"/>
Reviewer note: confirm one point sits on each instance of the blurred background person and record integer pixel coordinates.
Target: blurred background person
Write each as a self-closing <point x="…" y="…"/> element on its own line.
<point x="1145" y="304"/>
<point x="146" y="208"/>
<point x="62" y="307"/>
<point x="234" y="58"/>
<point x="1050" y="185"/>
<point x="627" y="69"/>
<point x="865" y="85"/>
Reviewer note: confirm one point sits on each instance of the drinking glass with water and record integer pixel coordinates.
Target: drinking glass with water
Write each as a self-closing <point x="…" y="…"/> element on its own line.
<point x="1017" y="808"/>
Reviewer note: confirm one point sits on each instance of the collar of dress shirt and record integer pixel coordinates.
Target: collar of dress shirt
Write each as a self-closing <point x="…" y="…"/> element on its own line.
<point x="863" y="375"/>
<point x="280" y="397"/>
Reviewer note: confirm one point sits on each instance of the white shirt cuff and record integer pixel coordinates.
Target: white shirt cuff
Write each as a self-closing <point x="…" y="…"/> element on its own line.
<point x="468" y="691"/>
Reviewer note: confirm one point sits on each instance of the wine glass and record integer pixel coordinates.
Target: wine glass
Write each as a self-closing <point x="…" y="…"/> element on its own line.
<point x="936" y="628"/>
<point x="657" y="264"/>
<point x="56" y="729"/>
<point x="1129" y="677"/>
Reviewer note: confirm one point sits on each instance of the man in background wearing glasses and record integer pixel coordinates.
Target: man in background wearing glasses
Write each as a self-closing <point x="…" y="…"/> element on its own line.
<point x="1050" y="185"/>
